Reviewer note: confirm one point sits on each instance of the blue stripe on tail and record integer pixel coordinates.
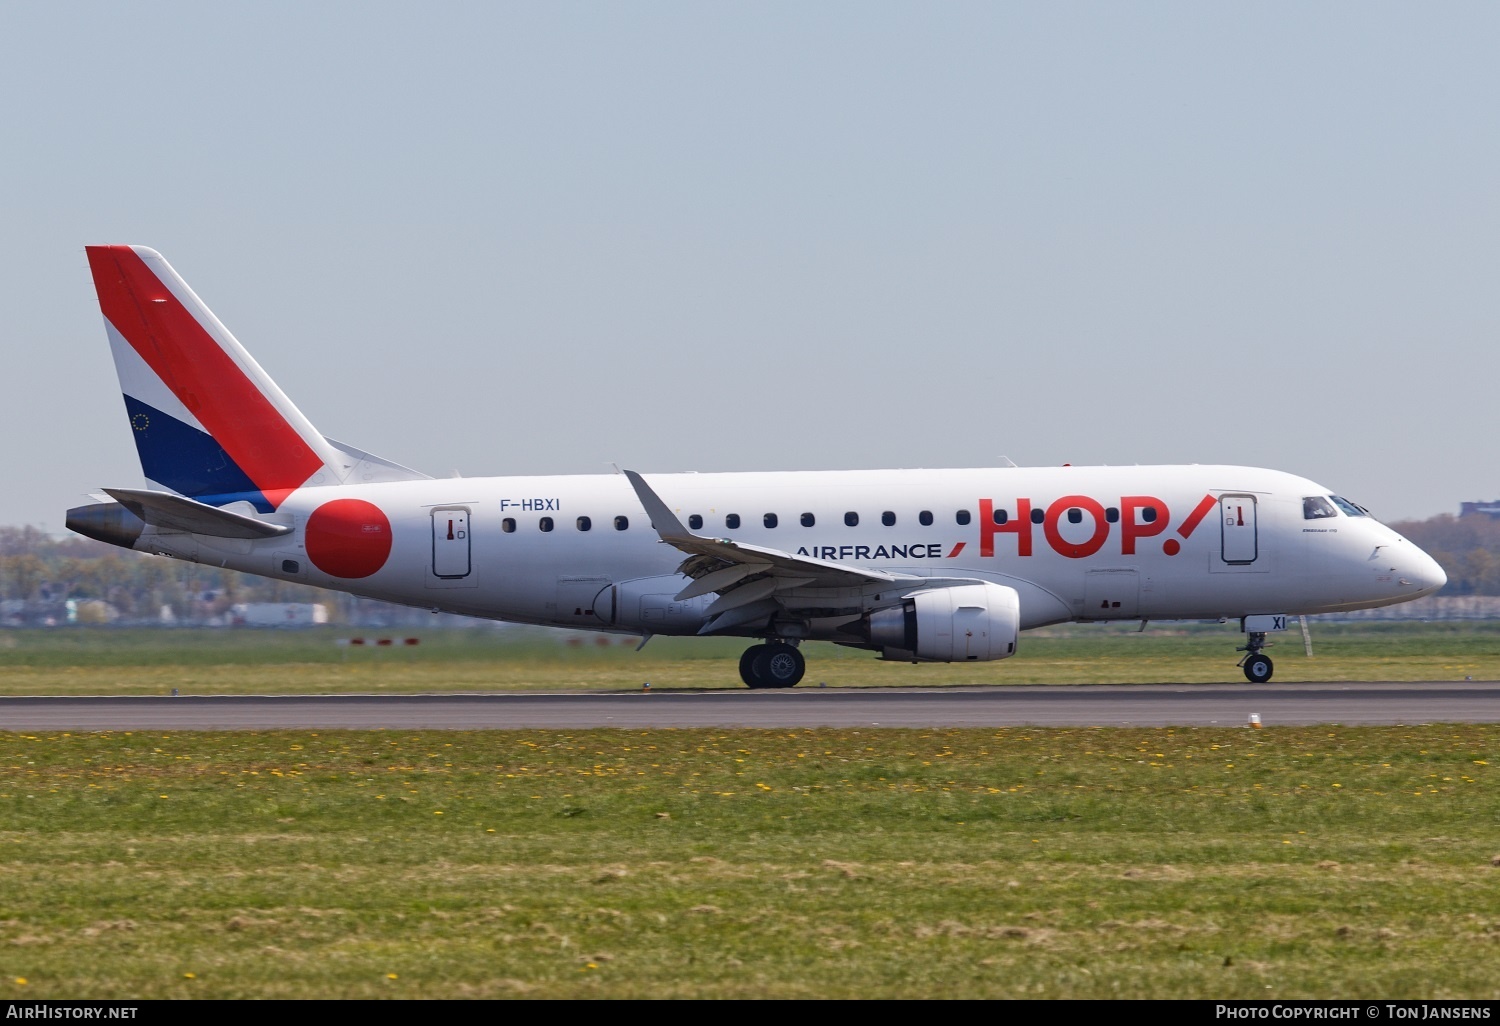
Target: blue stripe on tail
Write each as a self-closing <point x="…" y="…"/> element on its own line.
<point x="187" y="460"/>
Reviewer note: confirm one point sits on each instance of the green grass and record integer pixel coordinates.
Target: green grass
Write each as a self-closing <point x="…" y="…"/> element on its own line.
<point x="1223" y="863"/>
<point x="1308" y="862"/>
<point x="108" y="661"/>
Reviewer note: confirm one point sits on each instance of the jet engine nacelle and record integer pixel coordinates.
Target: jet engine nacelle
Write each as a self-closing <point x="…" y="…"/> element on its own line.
<point x="967" y="622"/>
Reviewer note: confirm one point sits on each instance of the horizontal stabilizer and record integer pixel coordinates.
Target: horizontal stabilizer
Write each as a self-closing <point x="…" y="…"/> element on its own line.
<point x="170" y="512"/>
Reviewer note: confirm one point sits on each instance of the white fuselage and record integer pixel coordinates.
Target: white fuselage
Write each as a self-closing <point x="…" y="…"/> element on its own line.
<point x="1077" y="543"/>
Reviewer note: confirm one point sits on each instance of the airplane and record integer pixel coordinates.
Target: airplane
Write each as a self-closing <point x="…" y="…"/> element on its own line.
<point x="912" y="565"/>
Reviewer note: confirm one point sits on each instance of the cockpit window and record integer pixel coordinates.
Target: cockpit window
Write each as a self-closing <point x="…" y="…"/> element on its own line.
<point x="1349" y="508"/>
<point x="1315" y="507"/>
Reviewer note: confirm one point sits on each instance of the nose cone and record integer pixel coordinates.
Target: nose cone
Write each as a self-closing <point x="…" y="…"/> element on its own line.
<point x="1423" y="572"/>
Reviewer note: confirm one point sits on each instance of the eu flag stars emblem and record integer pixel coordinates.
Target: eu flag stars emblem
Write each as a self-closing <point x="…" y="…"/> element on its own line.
<point x="140" y="422"/>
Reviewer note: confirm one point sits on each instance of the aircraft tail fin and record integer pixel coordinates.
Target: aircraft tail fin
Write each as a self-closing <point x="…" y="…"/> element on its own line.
<point x="209" y="423"/>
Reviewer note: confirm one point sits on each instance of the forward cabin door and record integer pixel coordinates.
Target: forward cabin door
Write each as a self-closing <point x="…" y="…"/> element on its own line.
<point x="1241" y="543"/>
<point x="450" y="543"/>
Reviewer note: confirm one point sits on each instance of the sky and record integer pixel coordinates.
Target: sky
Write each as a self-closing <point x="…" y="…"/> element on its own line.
<point x="498" y="238"/>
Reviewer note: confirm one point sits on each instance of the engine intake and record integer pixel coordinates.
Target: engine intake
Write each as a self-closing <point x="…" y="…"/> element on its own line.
<point x="964" y="623"/>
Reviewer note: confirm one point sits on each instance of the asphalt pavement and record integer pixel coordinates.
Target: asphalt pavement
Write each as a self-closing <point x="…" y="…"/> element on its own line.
<point x="1112" y="705"/>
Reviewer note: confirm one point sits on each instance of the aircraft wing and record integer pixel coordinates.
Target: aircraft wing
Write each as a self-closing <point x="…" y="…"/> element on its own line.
<point x="752" y="580"/>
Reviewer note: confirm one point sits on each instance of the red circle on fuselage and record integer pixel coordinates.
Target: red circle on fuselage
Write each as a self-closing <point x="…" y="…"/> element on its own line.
<point x="348" y="538"/>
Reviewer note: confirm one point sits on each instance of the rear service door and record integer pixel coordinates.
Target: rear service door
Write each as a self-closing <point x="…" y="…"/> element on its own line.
<point x="450" y="542"/>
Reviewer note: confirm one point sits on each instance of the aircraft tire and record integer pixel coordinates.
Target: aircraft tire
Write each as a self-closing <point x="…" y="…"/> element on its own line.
<point x="747" y="667"/>
<point x="1258" y="669"/>
<point x="778" y="665"/>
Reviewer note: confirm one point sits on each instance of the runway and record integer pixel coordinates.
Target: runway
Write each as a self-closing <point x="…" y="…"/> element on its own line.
<point x="1117" y="705"/>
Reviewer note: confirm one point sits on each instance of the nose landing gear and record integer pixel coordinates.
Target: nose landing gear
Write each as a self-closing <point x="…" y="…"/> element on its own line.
<point x="775" y="664"/>
<point x="1258" y="668"/>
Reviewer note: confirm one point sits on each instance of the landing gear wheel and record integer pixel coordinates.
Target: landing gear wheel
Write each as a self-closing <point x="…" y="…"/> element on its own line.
<point x="779" y="665"/>
<point x="1258" y="668"/>
<point x="773" y="665"/>
<point x="747" y="667"/>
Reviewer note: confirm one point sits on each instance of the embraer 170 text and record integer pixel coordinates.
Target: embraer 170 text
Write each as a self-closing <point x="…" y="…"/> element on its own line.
<point x="918" y="565"/>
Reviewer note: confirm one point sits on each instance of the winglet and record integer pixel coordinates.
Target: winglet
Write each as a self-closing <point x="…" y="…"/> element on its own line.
<point x="663" y="519"/>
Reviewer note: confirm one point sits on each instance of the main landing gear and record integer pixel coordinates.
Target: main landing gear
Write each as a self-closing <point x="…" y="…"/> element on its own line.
<point x="1258" y="667"/>
<point x="775" y="664"/>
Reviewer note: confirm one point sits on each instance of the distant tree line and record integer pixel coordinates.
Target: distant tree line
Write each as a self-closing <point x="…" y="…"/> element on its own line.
<point x="44" y="572"/>
<point x="1468" y="548"/>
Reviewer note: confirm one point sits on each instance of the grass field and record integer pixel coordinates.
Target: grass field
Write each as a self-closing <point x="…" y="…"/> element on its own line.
<point x="735" y="863"/>
<point x="107" y="661"/>
<point x="1207" y="863"/>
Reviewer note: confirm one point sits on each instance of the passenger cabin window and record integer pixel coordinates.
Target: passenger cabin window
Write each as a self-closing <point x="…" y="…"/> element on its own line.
<point x="925" y="518"/>
<point x="962" y="517"/>
<point x="1075" y="515"/>
<point x="1315" y="507"/>
<point x="695" y="522"/>
<point x="888" y="518"/>
<point x="851" y="519"/>
<point x="622" y="523"/>
<point x="508" y="525"/>
<point x="769" y="520"/>
<point x="545" y="524"/>
<point x="1112" y="515"/>
<point x="1000" y="516"/>
<point x="584" y="523"/>
<point x="732" y="521"/>
<point x="1148" y="514"/>
<point x="808" y="520"/>
<point x="1037" y="516"/>
<point x="1349" y="508"/>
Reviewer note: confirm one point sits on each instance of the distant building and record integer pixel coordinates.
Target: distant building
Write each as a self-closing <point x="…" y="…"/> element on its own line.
<point x="1489" y="509"/>
<point x="278" y="614"/>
